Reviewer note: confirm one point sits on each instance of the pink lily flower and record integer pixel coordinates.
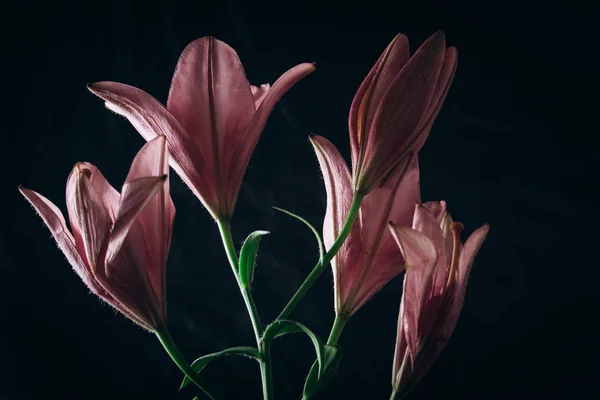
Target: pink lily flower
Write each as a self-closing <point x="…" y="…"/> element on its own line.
<point x="369" y="257"/>
<point x="212" y="121"/>
<point x="118" y="243"/>
<point x="394" y="109"/>
<point x="438" y="267"/>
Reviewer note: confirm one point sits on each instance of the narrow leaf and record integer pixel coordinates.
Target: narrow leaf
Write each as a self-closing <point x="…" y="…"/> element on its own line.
<point x="248" y="257"/>
<point x="283" y="326"/>
<point x="312" y="228"/>
<point x="203" y="361"/>
<point x="315" y="383"/>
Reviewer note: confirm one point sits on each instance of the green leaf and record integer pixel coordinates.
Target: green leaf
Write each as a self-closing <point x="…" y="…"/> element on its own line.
<point x="284" y="326"/>
<point x="316" y="382"/>
<point x="312" y="228"/>
<point x="203" y="361"/>
<point x="248" y="257"/>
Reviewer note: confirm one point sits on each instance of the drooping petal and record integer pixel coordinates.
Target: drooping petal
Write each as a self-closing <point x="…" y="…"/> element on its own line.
<point x="55" y="221"/>
<point x="259" y="93"/>
<point x="421" y="259"/>
<point x="240" y="156"/>
<point x="372" y="89"/>
<point x="151" y="119"/>
<point x="401" y="111"/>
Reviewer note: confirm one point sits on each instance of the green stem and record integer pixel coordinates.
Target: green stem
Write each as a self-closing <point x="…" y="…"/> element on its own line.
<point x="321" y="265"/>
<point x="169" y="344"/>
<point x="337" y="328"/>
<point x="265" y="370"/>
<point x="265" y="356"/>
<point x="393" y="396"/>
<point x="225" y="230"/>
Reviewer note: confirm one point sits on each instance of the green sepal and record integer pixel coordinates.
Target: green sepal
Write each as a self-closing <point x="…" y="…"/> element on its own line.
<point x="316" y="382"/>
<point x="203" y="361"/>
<point x="284" y="326"/>
<point x="248" y="257"/>
<point x="312" y="228"/>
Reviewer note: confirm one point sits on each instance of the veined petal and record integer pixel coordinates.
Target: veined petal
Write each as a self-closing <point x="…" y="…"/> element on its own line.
<point x="55" y="221"/>
<point x="240" y="156"/>
<point x="338" y="185"/>
<point x="151" y="119"/>
<point x="421" y="259"/>
<point x="211" y="97"/>
<point x="88" y="212"/>
<point x="372" y="89"/>
<point x="136" y="195"/>
<point x="402" y="109"/>
<point x="439" y="95"/>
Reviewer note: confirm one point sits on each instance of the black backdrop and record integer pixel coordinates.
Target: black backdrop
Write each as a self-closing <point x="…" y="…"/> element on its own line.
<point x="511" y="147"/>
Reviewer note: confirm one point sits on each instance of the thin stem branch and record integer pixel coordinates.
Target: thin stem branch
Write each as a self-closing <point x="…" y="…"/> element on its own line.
<point x="225" y="230"/>
<point x="265" y="370"/>
<point x="264" y="348"/>
<point x="321" y="265"/>
<point x="337" y="328"/>
<point x="171" y="348"/>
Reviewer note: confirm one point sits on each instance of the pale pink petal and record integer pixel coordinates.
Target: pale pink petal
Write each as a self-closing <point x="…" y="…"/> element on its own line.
<point x="407" y="195"/>
<point x="338" y="185"/>
<point x="151" y="119"/>
<point x="90" y="217"/>
<point x="109" y="195"/>
<point x="458" y="289"/>
<point x="136" y="195"/>
<point x="372" y="89"/>
<point x="421" y="257"/>
<point x="211" y="97"/>
<point x="244" y="147"/>
<point x="56" y="223"/>
<point x="54" y="220"/>
<point x="403" y="107"/>
<point x="259" y="93"/>
<point x="368" y="276"/>
<point x="431" y="219"/>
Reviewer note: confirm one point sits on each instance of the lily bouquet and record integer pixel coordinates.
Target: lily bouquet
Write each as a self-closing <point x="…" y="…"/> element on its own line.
<point x="375" y="225"/>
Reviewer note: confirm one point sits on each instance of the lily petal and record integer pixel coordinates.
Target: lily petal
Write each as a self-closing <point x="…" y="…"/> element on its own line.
<point x="136" y="195"/>
<point x="441" y="91"/>
<point x="151" y="119"/>
<point x="403" y="107"/>
<point x="55" y="221"/>
<point x="338" y="185"/>
<point x="211" y="97"/>
<point x="372" y="89"/>
<point x="421" y="257"/>
<point x="240" y="156"/>
<point x="90" y="216"/>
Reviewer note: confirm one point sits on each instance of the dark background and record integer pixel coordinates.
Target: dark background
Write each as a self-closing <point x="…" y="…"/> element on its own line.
<point x="513" y="146"/>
